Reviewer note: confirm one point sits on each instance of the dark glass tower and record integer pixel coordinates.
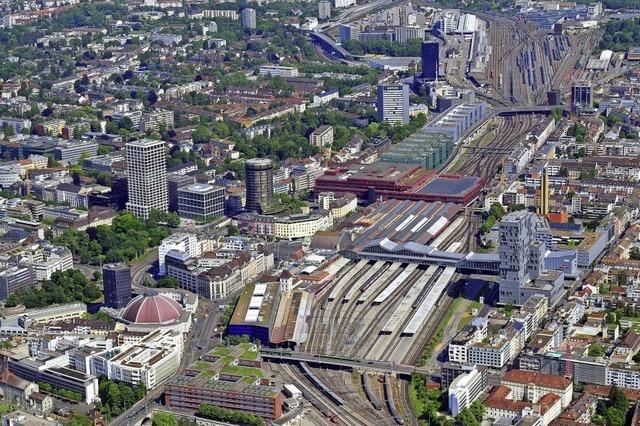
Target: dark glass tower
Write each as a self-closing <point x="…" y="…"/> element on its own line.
<point x="116" y="279"/>
<point x="430" y="55"/>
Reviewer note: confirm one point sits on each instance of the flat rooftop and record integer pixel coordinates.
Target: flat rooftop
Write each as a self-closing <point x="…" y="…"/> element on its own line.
<point x="450" y="185"/>
<point x="256" y="304"/>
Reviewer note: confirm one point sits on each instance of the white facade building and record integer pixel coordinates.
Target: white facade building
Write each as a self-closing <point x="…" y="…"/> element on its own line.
<point x="185" y="243"/>
<point x="147" y="177"/>
<point x="464" y="390"/>
<point x="150" y="361"/>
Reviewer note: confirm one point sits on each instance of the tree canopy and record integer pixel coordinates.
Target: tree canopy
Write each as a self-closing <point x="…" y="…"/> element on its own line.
<point x="127" y="238"/>
<point x="63" y="287"/>
<point x="117" y="397"/>
<point x="238" y="417"/>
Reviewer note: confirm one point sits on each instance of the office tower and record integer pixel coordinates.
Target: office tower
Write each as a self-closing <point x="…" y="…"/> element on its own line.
<point x="147" y="180"/>
<point x="175" y="182"/>
<point x="349" y="32"/>
<point x="544" y="193"/>
<point x="116" y="280"/>
<point x="259" y="183"/>
<point x="324" y="10"/>
<point x="515" y="239"/>
<point x="392" y="103"/>
<point x="582" y="96"/>
<point x="465" y="389"/>
<point x="430" y="56"/>
<point x="248" y="18"/>
<point x="201" y="201"/>
<point x="14" y="279"/>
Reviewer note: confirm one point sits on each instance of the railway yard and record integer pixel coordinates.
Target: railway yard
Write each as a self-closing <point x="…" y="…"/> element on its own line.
<point x="375" y="311"/>
<point x="379" y="310"/>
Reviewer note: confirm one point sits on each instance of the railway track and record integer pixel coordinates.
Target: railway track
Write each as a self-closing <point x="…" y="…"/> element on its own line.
<point x="326" y="407"/>
<point x="381" y="313"/>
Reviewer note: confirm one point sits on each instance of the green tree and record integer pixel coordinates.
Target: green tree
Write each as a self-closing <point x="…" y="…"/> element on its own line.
<point x="232" y="230"/>
<point x="79" y="420"/>
<point x="615" y="417"/>
<point x="618" y="399"/>
<point x="164" y="419"/>
<point x="168" y="282"/>
<point x="466" y="418"/>
<point x="596" y="350"/>
<point x="634" y="253"/>
<point x="202" y="134"/>
<point x="623" y="278"/>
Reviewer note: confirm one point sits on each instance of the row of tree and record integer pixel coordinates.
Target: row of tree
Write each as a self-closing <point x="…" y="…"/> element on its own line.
<point x="64" y="393"/>
<point x="231" y="416"/>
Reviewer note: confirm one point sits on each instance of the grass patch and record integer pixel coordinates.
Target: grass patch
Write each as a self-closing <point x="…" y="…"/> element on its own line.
<point x="242" y="371"/>
<point x="249" y="355"/>
<point x="221" y="351"/>
<point x="468" y="314"/>
<point x="202" y="365"/>
<point x="439" y="334"/>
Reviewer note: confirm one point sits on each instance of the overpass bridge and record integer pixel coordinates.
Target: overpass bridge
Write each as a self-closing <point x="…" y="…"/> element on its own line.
<point x="330" y="45"/>
<point x="369" y="366"/>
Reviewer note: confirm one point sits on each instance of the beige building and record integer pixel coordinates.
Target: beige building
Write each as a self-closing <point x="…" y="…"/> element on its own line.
<point x="533" y="386"/>
<point x="322" y="136"/>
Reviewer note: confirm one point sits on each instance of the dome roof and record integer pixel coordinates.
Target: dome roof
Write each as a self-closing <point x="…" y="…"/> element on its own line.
<point x="152" y="308"/>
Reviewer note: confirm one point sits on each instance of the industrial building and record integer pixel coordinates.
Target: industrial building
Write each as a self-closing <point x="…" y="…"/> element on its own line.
<point x="399" y="181"/>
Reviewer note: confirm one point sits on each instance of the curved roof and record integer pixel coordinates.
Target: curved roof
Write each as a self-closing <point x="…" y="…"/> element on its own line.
<point x="152" y="308"/>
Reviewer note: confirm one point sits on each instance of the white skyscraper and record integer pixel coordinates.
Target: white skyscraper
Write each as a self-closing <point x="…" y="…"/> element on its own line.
<point x="248" y="18"/>
<point x="147" y="177"/>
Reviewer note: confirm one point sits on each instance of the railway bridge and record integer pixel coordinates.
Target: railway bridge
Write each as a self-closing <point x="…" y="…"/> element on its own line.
<point x="370" y="366"/>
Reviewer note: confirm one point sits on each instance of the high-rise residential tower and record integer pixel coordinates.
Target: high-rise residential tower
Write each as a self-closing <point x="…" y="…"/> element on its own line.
<point x="324" y="10"/>
<point x="147" y="177"/>
<point x="248" y="18"/>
